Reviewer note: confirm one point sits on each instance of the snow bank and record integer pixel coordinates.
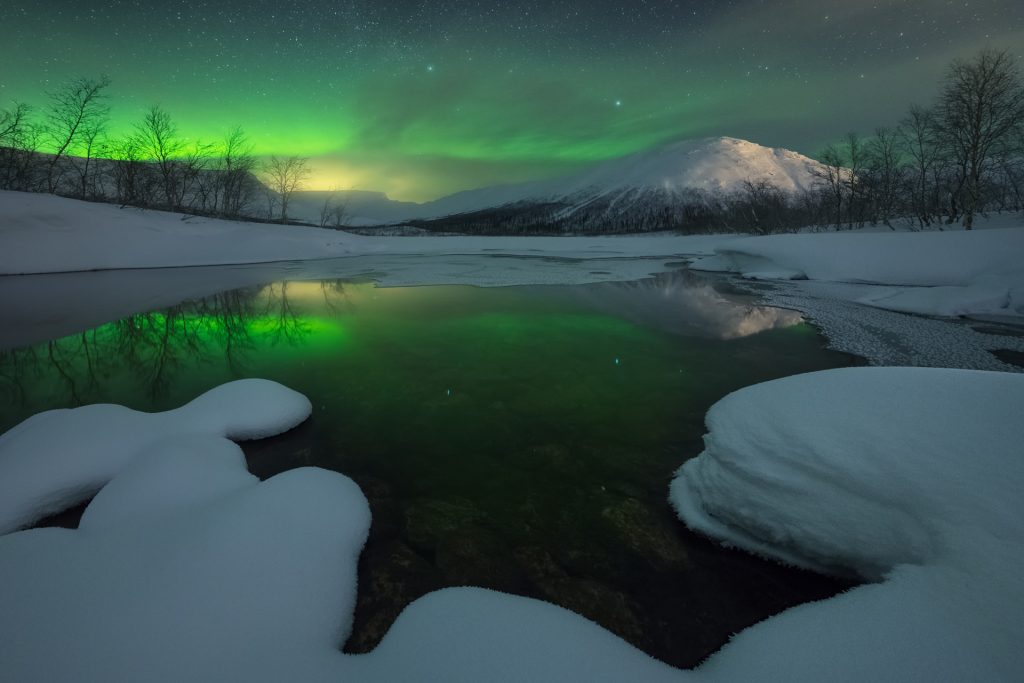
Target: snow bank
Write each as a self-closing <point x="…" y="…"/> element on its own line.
<point x="185" y="567"/>
<point x="256" y="582"/>
<point x="42" y="233"/>
<point x="908" y="476"/>
<point x="979" y="271"/>
<point x="468" y="635"/>
<point x="58" y="458"/>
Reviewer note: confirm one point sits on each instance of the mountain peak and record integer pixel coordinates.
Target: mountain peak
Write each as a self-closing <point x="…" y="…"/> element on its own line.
<point x="718" y="164"/>
<point x="659" y="176"/>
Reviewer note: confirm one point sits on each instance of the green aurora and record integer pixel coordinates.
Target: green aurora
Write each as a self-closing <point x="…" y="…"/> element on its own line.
<point x="422" y="99"/>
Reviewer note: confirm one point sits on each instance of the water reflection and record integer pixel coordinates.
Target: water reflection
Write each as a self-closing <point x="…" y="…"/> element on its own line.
<point x="687" y="304"/>
<point x="517" y="438"/>
<point x="153" y="347"/>
<point x="220" y="329"/>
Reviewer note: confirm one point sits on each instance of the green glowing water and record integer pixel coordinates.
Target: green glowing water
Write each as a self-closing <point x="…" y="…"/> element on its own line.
<point x="517" y="438"/>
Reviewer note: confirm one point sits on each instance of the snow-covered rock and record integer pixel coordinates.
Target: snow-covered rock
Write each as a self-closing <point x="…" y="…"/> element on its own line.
<point x="185" y="567"/>
<point x="906" y="476"/>
<point x="58" y="458"/>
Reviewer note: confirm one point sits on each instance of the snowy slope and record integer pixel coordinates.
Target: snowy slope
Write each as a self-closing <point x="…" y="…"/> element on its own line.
<point x="41" y="233"/>
<point x="712" y="164"/>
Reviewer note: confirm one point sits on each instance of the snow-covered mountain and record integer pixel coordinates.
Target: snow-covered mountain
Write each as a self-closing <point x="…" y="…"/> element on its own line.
<point x="633" y="189"/>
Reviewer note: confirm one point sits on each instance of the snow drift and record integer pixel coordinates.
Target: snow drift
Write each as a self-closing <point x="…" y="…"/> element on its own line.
<point x="906" y="476"/>
<point x="966" y="272"/>
<point x="185" y="567"/>
<point x="58" y="458"/>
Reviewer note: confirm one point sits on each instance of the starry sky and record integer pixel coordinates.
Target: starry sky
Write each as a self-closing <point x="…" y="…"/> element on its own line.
<point x="423" y="98"/>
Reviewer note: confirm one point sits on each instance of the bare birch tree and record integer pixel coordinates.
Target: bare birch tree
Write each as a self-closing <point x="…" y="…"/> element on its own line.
<point x="980" y="111"/>
<point x="286" y="176"/>
<point x="77" y="106"/>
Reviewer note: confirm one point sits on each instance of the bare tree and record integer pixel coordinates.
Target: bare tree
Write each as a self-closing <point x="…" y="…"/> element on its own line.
<point x="192" y="168"/>
<point x="919" y="144"/>
<point x="77" y="106"/>
<point x="833" y="172"/>
<point x="12" y="122"/>
<point x="128" y="171"/>
<point x="19" y="140"/>
<point x="884" y="173"/>
<point x="980" y="111"/>
<point x="89" y="145"/>
<point x="158" y="141"/>
<point x="762" y="206"/>
<point x="856" y="158"/>
<point x="334" y="210"/>
<point x="236" y="165"/>
<point x="286" y="175"/>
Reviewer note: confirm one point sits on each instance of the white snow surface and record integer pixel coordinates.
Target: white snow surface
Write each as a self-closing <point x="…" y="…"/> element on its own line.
<point x="711" y="164"/>
<point x="907" y="476"/>
<point x="185" y="567"/>
<point x="940" y="273"/>
<point x="58" y="458"/>
<point x="42" y="233"/>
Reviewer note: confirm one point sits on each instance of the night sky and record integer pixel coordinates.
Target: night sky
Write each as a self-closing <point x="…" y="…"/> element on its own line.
<point x="419" y="99"/>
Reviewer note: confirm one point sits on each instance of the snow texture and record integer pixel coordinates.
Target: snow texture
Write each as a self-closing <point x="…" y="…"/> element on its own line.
<point x="185" y="567"/>
<point x="977" y="272"/>
<point x="890" y="338"/>
<point x="42" y="233"/>
<point x="906" y="476"/>
<point x="58" y="458"/>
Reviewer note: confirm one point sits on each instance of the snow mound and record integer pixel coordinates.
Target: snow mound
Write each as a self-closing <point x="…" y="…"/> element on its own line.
<point x="467" y="635"/>
<point x="254" y="583"/>
<point x="58" y="458"/>
<point x="185" y="567"/>
<point x="908" y="476"/>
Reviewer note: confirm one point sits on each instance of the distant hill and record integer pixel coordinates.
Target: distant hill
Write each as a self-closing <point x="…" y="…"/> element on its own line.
<point x="648" y="190"/>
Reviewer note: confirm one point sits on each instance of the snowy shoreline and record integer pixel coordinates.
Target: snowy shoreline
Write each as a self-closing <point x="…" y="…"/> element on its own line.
<point x="861" y="289"/>
<point x="860" y="468"/>
<point x="186" y="567"/>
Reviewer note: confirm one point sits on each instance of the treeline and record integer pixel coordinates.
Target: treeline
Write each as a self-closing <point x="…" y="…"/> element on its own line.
<point x="65" y="147"/>
<point x="943" y="164"/>
<point x="946" y="163"/>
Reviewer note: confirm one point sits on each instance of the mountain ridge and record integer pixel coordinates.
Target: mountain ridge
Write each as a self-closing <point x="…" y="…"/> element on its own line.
<point x="647" y="182"/>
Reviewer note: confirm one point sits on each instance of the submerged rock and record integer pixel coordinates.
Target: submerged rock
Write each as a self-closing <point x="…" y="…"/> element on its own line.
<point x="645" y="533"/>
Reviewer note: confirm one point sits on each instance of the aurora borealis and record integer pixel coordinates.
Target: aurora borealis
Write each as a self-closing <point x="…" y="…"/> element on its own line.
<point x="420" y="99"/>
